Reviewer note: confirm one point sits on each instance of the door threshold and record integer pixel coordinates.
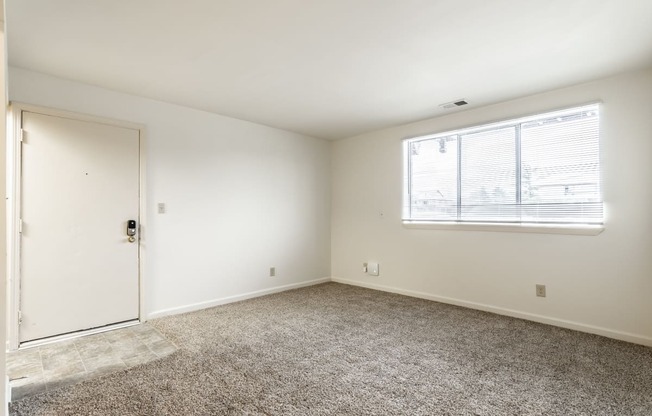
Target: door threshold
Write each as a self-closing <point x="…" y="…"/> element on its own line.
<point x="77" y="334"/>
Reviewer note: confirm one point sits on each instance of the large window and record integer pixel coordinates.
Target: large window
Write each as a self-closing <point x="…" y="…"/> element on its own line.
<point x="539" y="169"/>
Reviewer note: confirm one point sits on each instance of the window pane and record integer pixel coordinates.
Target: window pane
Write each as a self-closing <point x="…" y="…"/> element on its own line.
<point x="433" y="179"/>
<point x="560" y="175"/>
<point x="543" y="168"/>
<point x="489" y="175"/>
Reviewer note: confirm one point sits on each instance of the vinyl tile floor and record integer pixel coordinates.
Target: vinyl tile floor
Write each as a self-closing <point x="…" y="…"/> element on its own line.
<point x="47" y="367"/>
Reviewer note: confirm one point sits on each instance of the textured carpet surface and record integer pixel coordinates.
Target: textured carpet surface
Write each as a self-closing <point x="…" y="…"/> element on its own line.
<point x="334" y="349"/>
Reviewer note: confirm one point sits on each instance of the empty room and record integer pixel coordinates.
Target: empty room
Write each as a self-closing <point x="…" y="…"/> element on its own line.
<point x="326" y="207"/>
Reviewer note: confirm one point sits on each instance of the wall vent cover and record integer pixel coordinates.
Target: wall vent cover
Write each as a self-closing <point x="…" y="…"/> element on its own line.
<point x="453" y="104"/>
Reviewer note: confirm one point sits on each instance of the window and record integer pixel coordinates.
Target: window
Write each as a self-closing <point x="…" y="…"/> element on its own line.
<point x="543" y="169"/>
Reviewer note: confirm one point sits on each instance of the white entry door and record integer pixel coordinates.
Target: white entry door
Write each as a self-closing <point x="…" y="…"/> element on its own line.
<point x="79" y="189"/>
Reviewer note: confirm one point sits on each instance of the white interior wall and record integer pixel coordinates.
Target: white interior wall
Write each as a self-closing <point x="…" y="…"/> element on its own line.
<point x="3" y="210"/>
<point x="599" y="284"/>
<point x="240" y="197"/>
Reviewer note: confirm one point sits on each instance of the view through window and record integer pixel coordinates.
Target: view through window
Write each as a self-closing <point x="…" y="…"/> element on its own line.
<point x="539" y="169"/>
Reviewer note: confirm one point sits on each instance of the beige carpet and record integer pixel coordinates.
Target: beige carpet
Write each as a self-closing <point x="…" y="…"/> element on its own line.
<point x="334" y="349"/>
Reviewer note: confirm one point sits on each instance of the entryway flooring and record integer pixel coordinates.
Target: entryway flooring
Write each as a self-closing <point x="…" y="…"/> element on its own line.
<point x="48" y="367"/>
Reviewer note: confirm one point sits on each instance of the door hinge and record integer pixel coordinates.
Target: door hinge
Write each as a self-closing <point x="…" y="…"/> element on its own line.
<point x="20" y="226"/>
<point x="22" y="135"/>
<point x="20" y="317"/>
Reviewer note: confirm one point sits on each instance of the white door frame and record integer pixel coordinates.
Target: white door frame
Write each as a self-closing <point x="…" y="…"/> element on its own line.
<point x="14" y="169"/>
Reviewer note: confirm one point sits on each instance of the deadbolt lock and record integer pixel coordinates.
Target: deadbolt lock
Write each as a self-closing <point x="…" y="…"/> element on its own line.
<point x="131" y="230"/>
<point x="131" y="227"/>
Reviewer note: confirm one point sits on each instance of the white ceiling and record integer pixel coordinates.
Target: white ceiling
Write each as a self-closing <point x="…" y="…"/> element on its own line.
<point x="329" y="68"/>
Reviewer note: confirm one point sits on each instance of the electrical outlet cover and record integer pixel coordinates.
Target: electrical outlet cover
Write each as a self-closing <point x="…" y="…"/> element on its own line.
<point x="373" y="269"/>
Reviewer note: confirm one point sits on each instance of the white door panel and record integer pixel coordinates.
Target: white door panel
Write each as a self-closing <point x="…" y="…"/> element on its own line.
<point x="80" y="186"/>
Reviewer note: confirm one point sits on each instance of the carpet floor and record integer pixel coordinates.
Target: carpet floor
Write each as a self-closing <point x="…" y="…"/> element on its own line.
<point x="334" y="349"/>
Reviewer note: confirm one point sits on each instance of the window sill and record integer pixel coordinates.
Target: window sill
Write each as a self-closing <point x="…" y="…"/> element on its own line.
<point x="508" y="228"/>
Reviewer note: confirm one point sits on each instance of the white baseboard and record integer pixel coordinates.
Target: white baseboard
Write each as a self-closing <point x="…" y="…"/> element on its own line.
<point x="609" y="333"/>
<point x="231" y="299"/>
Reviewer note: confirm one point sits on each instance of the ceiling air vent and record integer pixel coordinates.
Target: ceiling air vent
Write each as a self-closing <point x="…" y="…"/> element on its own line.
<point x="453" y="104"/>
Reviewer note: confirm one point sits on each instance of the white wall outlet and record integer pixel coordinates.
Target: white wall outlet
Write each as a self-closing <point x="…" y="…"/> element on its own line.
<point x="541" y="291"/>
<point x="161" y="207"/>
<point x="373" y="269"/>
<point x="272" y="271"/>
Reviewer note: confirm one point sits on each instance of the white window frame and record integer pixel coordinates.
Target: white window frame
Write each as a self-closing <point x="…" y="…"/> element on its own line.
<point x="521" y="227"/>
